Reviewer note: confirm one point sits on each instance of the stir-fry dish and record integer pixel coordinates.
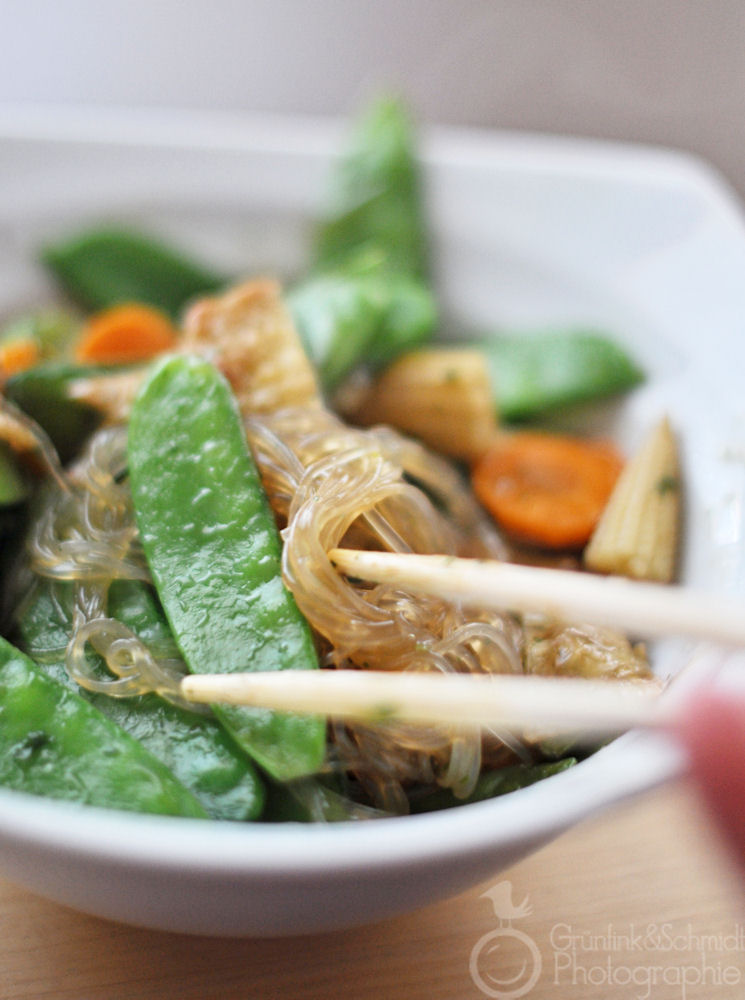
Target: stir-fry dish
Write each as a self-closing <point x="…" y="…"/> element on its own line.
<point x="181" y="451"/>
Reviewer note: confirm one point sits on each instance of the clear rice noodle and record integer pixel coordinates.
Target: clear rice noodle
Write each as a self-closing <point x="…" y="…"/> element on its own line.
<point x="330" y="485"/>
<point x="339" y="486"/>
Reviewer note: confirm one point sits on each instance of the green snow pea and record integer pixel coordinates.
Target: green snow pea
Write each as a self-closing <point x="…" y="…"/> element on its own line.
<point x="532" y="375"/>
<point x="194" y="747"/>
<point x="54" y="743"/>
<point x="367" y="300"/>
<point x="376" y="196"/>
<point x="336" y="316"/>
<point x="214" y="552"/>
<point x="101" y="267"/>
<point x="409" y="319"/>
<point x="346" y="319"/>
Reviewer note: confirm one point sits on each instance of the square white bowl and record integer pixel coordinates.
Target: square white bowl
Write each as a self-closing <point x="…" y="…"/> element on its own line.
<point x="527" y="232"/>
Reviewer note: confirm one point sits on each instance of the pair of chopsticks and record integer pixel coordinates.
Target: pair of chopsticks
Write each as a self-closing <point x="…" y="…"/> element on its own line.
<point x="510" y="703"/>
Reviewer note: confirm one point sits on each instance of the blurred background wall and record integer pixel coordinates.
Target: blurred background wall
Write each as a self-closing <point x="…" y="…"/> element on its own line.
<point x="668" y="72"/>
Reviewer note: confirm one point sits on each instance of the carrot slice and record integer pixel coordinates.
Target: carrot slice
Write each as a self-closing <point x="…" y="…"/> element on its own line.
<point x="18" y="355"/>
<point x="545" y="489"/>
<point x="125" y="333"/>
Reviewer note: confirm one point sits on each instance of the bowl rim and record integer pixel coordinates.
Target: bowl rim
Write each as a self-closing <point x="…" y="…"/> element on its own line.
<point x="314" y="135"/>
<point x="167" y="843"/>
<point x="632" y="764"/>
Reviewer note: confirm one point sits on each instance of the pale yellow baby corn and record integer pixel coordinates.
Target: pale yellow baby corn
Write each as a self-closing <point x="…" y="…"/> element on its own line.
<point x="443" y="397"/>
<point x="637" y="535"/>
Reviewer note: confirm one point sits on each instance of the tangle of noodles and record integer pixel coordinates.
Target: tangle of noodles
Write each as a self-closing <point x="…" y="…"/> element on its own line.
<point x="336" y="485"/>
<point x="86" y="534"/>
<point x="329" y="485"/>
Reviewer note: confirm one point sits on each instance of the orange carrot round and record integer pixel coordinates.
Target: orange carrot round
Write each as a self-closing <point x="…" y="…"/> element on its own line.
<point x="18" y="355"/>
<point x="544" y="489"/>
<point x="125" y="334"/>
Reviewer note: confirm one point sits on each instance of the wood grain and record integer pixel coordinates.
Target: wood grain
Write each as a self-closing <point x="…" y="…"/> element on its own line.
<point x="648" y="868"/>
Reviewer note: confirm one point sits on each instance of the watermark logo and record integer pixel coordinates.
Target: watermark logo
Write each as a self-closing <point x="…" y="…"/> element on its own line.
<point x="486" y="963"/>
<point x="644" y="959"/>
<point x="506" y="963"/>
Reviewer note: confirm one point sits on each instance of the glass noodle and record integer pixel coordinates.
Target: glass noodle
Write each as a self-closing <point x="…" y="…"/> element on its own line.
<point x="329" y="485"/>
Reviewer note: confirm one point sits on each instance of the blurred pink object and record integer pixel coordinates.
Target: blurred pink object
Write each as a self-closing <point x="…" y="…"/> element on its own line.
<point x="712" y="728"/>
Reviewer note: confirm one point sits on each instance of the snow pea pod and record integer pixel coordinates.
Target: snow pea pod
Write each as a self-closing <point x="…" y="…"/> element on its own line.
<point x="534" y="374"/>
<point x="214" y="552"/>
<point x="347" y="319"/>
<point x="336" y="317"/>
<point x="101" y="267"/>
<point x="367" y="299"/>
<point x="376" y="196"/>
<point x="54" y="743"/>
<point x="194" y="747"/>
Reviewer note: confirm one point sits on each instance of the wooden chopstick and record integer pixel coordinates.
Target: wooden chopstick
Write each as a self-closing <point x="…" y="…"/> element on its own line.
<point x="511" y="703"/>
<point x="646" y="609"/>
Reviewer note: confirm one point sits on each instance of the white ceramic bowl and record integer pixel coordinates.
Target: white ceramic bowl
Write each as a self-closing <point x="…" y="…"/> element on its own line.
<point x="528" y="231"/>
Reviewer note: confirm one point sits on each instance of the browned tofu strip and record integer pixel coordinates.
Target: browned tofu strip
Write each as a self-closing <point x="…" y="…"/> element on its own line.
<point x="249" y="335"/>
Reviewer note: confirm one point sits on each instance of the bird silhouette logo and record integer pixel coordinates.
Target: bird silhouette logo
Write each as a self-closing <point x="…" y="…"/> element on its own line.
<point x="505" y="962"/>
<point x="504" y="909"/>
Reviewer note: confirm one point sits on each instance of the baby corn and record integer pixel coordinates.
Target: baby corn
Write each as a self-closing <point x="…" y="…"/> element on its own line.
<point x="637" y="535"/>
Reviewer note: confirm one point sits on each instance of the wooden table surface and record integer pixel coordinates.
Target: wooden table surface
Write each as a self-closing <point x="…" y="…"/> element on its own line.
<point x="638" y="903"/>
